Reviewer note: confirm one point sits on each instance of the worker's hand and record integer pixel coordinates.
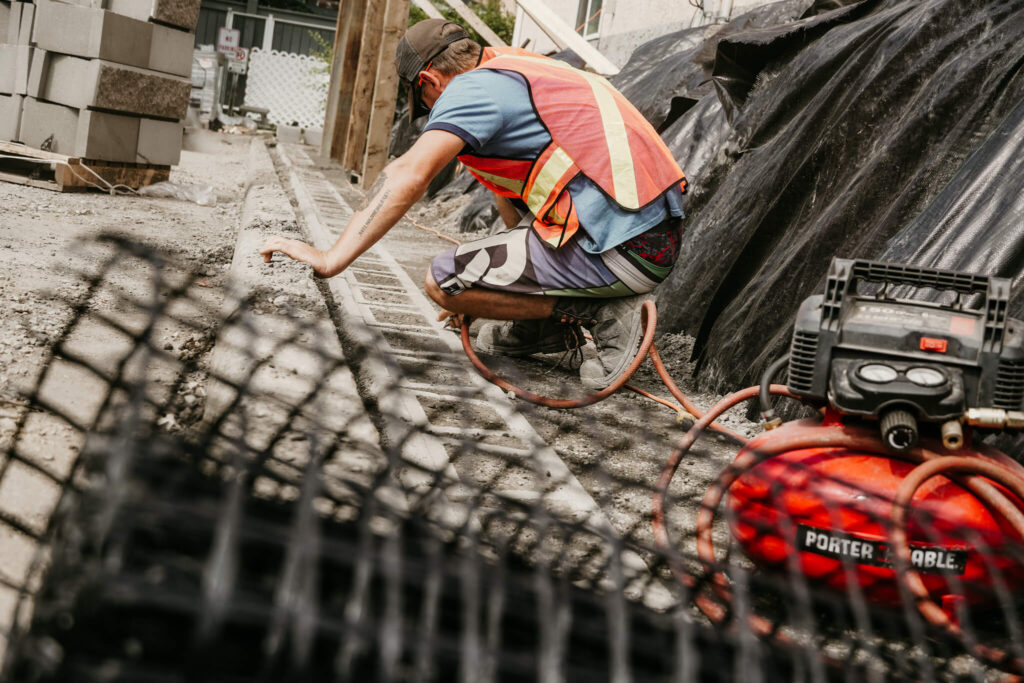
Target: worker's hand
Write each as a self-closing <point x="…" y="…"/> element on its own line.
<point x="451" y="320"/>
<point x="297" y="250"/>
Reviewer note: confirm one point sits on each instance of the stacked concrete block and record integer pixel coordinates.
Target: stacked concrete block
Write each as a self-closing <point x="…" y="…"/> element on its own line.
<point x="105" y="80"/>
<point x="16" y="19"/>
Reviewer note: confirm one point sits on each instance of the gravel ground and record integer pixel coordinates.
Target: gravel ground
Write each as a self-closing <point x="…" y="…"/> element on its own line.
<point x="615" y="448"/>
<point x="48" y="248"/>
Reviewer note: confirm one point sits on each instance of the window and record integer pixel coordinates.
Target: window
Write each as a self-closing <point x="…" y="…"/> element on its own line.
<point x="588" y="18"/>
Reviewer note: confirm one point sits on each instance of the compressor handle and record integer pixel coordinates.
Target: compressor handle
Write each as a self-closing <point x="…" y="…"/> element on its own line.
<point x="844" y="274"/>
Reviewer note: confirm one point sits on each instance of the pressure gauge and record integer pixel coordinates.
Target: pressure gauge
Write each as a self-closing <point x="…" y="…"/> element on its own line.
<point x="926" y="377"/>
<point x="877" y="373"/>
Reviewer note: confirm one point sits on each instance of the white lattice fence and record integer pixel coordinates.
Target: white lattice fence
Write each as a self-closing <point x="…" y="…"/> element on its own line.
<point x="293" y="87"/>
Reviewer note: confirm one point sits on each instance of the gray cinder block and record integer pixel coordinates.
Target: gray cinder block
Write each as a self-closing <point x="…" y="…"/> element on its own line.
<point x="100" y="84"/>
<point x="5" y="17"/>
<point x="99" y="34"/>
<point x="10" y="117"/>
<point x="171" y="51"/>
<point x="159" y="142"/>
<point x="79" y="133"/>
<point x="181" y="13"/>
<point x="92" y="33"/>
<point x="8" y="67"/>
<point x="14" y="23"/>
<point x="22" y="63"/>
<point x="28" y="15"/>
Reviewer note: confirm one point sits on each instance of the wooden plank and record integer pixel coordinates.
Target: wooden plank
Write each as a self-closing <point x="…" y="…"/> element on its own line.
<point x="429" y="8"/>
<point x="74" y="176"/>
<point x="362" y="95"/>
<point x="471" y="18"/>
<point x="355" y="16"/>
<point x="15" y="148"/>
<point x="564" y="36"/>
<point x="382" y="115"/>
<point x="28" y="180"/>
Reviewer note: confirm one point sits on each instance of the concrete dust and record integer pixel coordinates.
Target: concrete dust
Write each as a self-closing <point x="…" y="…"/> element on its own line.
<point x="47" y="248"/>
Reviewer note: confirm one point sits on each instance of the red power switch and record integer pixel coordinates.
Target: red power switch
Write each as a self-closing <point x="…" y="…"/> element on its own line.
<point x="932" y="344"/>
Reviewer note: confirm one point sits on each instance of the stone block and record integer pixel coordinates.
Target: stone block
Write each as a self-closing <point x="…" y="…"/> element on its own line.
<point x="181" y="13"/>
<point x="92" y="33"/>
<point x="22" y="63"/>
<point x="99" y="34"/>
<point x="10" y="117"/>
<point x="79" y="133"/>
<point x="8" y="66"/>
<point x="13" y="23"/>
<point x="5" y="17"/>
<point x="171" y="51"/>
<point x="159" y="142"/>
<point x="99" y="84"/>
<point x="28" y="15"/>
<point x="286" y="133"/>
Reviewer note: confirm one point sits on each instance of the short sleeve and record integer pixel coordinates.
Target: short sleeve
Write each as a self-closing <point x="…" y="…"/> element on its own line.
<point x="468" y="108"/>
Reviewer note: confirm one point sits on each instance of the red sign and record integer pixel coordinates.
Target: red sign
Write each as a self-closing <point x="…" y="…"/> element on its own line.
<point x="228" y="39"/>
<point x="932" y="344"/>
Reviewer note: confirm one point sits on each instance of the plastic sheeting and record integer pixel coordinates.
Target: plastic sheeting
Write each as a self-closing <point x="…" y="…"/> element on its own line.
<point x="883" y="129"/>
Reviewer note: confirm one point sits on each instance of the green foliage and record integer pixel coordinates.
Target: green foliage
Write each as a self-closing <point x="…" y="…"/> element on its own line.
<point x="323" y="53"/>
<point x="500" y="21"/>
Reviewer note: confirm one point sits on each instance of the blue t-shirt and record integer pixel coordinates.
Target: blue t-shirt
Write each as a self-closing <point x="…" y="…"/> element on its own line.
<point x="493" y="114"/>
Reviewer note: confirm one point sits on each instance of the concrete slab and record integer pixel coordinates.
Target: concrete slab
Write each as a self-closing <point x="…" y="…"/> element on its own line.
<point x="159" y="142"/>
<point x="92" y="33"/>
<point x="5" y="17"/>
<point x="8" y="60"/>
<point x="99" y="34"/>
<point x="99" y="84"/>
<point x="10" y="117"/>
<point x="85" y="134"/>
<point x="28" y="15"/>
<point x="171" y="51"/>
<point x="49" y="126"/>
<point x="181" y="13"/>
<point x="22" y="63"/>
<point x="13" y="23"/>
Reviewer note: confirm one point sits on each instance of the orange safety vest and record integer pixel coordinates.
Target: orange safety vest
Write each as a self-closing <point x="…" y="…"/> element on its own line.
<point x="594" y="130"/>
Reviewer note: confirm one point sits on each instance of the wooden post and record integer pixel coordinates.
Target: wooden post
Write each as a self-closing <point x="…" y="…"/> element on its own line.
<point x="337" y="65"/>
<point x="382" y="115"/>
<point x="347" y="44"/>
<point x="362" y="94"/>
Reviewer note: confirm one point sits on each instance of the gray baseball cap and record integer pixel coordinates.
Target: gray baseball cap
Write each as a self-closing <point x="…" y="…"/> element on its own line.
<point x="416" y="50"/>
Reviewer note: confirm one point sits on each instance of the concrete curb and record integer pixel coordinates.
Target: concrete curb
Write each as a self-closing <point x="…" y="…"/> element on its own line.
<point x="274" y="360"/>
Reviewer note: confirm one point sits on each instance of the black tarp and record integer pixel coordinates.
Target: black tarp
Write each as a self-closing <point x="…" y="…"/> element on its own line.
<point x="884" y="129"/>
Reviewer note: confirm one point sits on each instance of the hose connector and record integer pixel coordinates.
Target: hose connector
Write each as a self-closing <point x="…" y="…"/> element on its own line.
<point x="952" y="435"/>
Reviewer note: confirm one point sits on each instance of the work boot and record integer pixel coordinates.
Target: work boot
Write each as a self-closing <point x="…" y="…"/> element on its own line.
<point x="616" y="326"/>
<point x="526" y="337"/>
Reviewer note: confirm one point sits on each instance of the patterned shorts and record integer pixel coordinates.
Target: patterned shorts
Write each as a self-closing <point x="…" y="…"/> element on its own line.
<point x="516" y="260"/>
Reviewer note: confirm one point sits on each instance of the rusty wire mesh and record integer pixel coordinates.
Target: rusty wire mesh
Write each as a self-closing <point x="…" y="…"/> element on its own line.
<point x="290" y="536"/>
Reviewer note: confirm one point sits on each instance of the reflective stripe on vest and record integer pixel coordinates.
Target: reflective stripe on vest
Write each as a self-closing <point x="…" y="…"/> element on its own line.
<point x="594" y="130"/>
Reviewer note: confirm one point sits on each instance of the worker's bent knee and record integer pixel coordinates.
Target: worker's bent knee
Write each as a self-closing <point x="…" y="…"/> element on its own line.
<point x="434" y="292"/>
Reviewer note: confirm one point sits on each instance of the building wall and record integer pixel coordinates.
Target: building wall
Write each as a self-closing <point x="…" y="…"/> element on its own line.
<point x="627" y="24"/>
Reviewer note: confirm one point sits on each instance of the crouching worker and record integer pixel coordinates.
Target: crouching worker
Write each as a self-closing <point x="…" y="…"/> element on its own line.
<point x="591" y="196"/>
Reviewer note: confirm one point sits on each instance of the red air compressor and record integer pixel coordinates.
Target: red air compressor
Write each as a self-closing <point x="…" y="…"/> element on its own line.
<point x="902" y="384"/>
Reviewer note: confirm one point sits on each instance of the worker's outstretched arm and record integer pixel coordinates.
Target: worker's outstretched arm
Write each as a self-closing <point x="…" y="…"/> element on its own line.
<point x="399" y="186"/>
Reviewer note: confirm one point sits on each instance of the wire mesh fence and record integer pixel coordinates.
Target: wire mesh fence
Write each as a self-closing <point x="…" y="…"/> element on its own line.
<point x="286" y="524"/>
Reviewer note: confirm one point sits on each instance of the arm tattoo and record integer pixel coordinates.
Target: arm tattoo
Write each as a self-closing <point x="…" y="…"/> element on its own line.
<point x="376" y="198"/>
